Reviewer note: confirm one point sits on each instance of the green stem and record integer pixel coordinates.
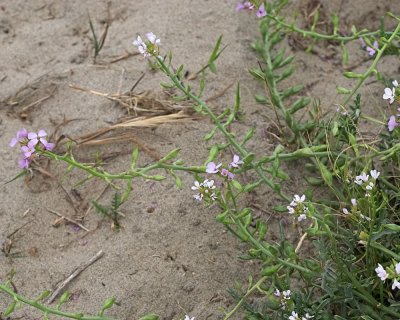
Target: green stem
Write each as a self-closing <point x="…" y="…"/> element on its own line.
<point x="250" y="291"/>
<point x="48" y="310"/>
<point x="373" y="65"/>
<point x="313" y="34"/>
<point x="241" y="150"/>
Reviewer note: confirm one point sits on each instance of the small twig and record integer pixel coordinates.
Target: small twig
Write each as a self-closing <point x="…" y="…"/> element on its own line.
<point x="137" y="81"/>
<point x="73" y="275"/>
<point x="68" y="219"/>
<point x="219" y="94"/>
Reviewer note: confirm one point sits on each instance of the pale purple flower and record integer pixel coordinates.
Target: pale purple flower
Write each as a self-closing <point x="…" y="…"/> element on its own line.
<point x="277" y="293"/>
<point x="261" y="11"/>
<point x="34" y="138"/>
<point x="363" y="45"/>
<point x="290" y="209"/>
<point x="27" y="151"/>
<point x="381" y="272"/>
<point x="245" y="5"/>
<point x="395" y="284"/>
<point x="389" y="94"/>
<point x="24" y="163"/>
<point x="354" y="202"/>
<point x="372" y="51"/>
<point x="392" y="123"/>
<point x="227" y="173"/>
<point x="301" y="217"/>
<point x="47" y="145"/>
<point x="398" y="268"/>
<point x="294" y="316"/>
<point x="152" y="38"/>
<point x="21" y="135"/>
<point x="374" y="174"/>
<point x="212" y="167"/>
<point x="142" y="47"/>
<point x="345" y="211"/>
<point x="395" y="83"/>
<point x="236" y="162"/>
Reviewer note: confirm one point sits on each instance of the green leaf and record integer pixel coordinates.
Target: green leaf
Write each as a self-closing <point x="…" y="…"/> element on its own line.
<point x="237" y="99"/>
<point x="10" y="309"/>
<point x="236" y="185"/>
<point x="271" y="270"/>
<point x="343" y="90"/>
<point x="171" y="155"/>
<point x="21" y="174"/>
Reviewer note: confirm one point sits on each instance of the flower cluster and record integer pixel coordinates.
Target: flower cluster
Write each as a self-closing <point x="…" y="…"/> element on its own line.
<point x="295" y="316"/>
<point x="392" y="272"/>
<point x="206" y="190"/>
<point x="364" y="180"/>
<point x="150" y="47"/>
<point x="298" y="208"/>
<point x="29" y="143"/>
<point x="225" y="171"/>
<point x="249" y="6"/>
<point x="284" y="296"/>
<point x="390" y="94"/>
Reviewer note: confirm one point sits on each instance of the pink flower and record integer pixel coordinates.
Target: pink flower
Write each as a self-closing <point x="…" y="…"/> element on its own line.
<point x="261" y="11"/>
<point x="21" y="135"/>
<point x="212" y="167"/>
<point x="392" y="123"/>
<point x="152" y="38"/>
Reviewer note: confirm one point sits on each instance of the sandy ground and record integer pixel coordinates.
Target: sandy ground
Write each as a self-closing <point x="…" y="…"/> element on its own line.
<point x="170" y="256"/>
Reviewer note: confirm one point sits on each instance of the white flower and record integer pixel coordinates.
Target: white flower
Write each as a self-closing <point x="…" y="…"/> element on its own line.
<point x="375" y="174"/>
<point x="345" y="211"/>
<point x="395" y="83"/>
<point x="141" y="46"/>
<point x="301" y="217"/>
<point x="213" y="196"/>
<point x="398" y="268"/>
<point x="188" y="318"/>
<point x="286" y="294"/>
<point x="354" y="202"/>
<point x="307" y="316"/>
<point x="198" y="196"/>
<point x="277" y="293"/>
<point x="395" y="284"/>
<point x="294" y="316"/>
<point x="381" y="272"/>
<point x="365" y="217"/>
<point x="363" y="177"/>
<point x="299" y="199"/>
<point x="369" y="186"/>
<point x="389" y="95"/>
<point x="197" y="185"/>
<point x="152" y="38"/>
<point x="290" y="209"/>
<point x="209" y="184"/>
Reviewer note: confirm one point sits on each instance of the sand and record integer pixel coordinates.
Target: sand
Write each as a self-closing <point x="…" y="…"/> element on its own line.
<point x="170" y="256"/>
